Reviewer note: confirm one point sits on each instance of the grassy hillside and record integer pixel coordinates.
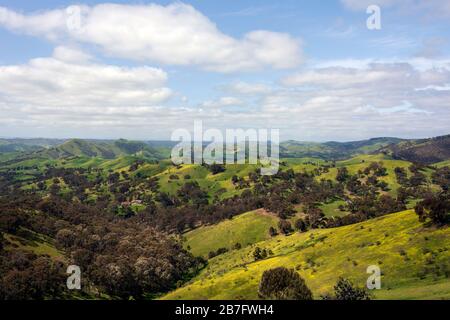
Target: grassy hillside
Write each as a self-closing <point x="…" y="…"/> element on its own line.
<point x="101" y="149"/>
<point x="413" y="260"/>
<point x="246" y="229"/>
<point x="33" y="242"/>
<point x="427" y="151"/>
<point x="363" y="161"/>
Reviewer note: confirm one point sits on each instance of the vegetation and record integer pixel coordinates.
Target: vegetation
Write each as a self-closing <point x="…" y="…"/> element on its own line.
<point x="283" y="284"/>
<point x="141" y="227"/>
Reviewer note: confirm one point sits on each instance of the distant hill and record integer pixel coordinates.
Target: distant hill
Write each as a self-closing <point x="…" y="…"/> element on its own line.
<point x="101" y="149"/>
<point x="426" y="151"/>
<point x="334" y="150"/>
<point x="27" y="145"/>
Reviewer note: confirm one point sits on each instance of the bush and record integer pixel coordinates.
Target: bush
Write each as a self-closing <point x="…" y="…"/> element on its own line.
<point x="285" y="226"/>
<point x="345" y="290"/>
<point x="283" y="284"/>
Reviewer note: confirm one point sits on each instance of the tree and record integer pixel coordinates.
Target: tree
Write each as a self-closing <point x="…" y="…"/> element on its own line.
<point x="300" y="225"/>
<point x="273" y="232"/>
<point x="345" y="290"/>
<point x="283" y="284"/>
<point x="285" y="226"/>
<point x="342" y="174"/>
<point x="257" y="254"/>
<point x="435" y="208"/>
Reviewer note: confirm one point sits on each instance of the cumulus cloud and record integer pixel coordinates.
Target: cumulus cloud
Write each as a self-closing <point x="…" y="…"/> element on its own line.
<point x="70" y="86"/>
<point x="176" y="34"/>
<point x="366" y="100"/>
<point x="245" y="88"/>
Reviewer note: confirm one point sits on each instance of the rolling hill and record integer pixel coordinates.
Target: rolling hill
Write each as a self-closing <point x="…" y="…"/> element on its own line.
<point x="414" y="261"/>
<point x="101" y="149"/>
<point x="333" y="150"/>
<point x="426" y="151"/>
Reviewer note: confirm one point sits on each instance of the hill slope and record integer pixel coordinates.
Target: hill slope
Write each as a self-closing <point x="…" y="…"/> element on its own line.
<point x="414" y="261"/>
<point x="426" y="151"/>
<point x="245" y="229"/>
<point x="101" y="149"/>
<point x="333" y="150"/>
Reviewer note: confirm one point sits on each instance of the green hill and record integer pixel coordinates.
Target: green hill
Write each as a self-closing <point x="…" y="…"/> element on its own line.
<point x="245" y="229"/>
<point x="333" y="150"/>
<point x="414" y="261"/>
<point x="426" y="151"/>
<point x="102" y="149"/>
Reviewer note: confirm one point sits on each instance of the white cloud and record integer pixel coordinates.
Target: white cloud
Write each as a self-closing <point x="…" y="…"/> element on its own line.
<point x="69" y="86"/>
<point x="245" y="88"/>
<point x="222" y="102"/>
<point x="176" y="34"/>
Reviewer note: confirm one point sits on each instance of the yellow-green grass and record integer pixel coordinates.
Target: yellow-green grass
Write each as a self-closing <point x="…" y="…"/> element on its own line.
<point x="332" y="209"/>
<point x="246" y="229"/>
<point x="219" y="184"/>
<point x="33" y="242"/>
<point x="442" y="164"/>
<point x="322" y="256"/>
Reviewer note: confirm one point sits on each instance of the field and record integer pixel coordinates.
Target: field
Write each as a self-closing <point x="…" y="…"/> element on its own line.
<point x="413" y="260"/>
<point x="246" y="229"/>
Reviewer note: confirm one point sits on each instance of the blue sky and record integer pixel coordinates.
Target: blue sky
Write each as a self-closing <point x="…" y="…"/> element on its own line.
<point x="310" y="68"/>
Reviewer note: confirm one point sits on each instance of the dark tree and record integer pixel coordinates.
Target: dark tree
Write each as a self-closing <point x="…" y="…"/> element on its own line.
<point x="283" y="284"/>
<point x="345" y="290"/>
<point x="273" y="232"/>
<point x="435" y="208"/>
<point x="342" y="174"/>
<point x="285" y="226"/>
<point x="300" y="225"/>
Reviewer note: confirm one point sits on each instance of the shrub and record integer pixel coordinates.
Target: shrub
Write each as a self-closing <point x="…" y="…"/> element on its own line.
<point x="345" y="290"/>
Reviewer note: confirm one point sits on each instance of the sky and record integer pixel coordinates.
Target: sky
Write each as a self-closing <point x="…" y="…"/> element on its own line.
<point x="140" y="70"/>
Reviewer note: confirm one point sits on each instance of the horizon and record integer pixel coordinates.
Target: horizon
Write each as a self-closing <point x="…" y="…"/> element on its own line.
<point x="204" y="141"/>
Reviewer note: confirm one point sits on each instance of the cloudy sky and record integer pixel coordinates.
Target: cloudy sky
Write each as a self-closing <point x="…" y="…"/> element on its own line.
<point x="139" y="70"/>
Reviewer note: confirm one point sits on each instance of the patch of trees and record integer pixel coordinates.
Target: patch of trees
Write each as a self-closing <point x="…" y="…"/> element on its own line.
<point x="435" y="209"/>
<point x="123" y="258"/>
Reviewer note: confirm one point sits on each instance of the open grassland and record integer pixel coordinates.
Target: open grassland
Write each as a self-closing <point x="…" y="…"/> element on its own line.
<point x="245" y="229"/>
<point x="414" y="260"/>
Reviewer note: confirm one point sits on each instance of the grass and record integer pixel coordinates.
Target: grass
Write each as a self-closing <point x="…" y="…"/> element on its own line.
<point x="405" y="250"/>
<point x="363" y="161"/>
<point x="33" y="242"/>
<point x="246" y="229"/>
<point x="332" y="209"/>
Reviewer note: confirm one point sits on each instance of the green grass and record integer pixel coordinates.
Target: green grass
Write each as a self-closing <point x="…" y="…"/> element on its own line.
<point x="443" y="164"/>
<point x="33" y="242"/>
<point x="332" y="209"/>
<point x="246" y="229"/>
<point x="219" y="184"/>
<point x="322" y="256"/>
<point x="363" y="161"/>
